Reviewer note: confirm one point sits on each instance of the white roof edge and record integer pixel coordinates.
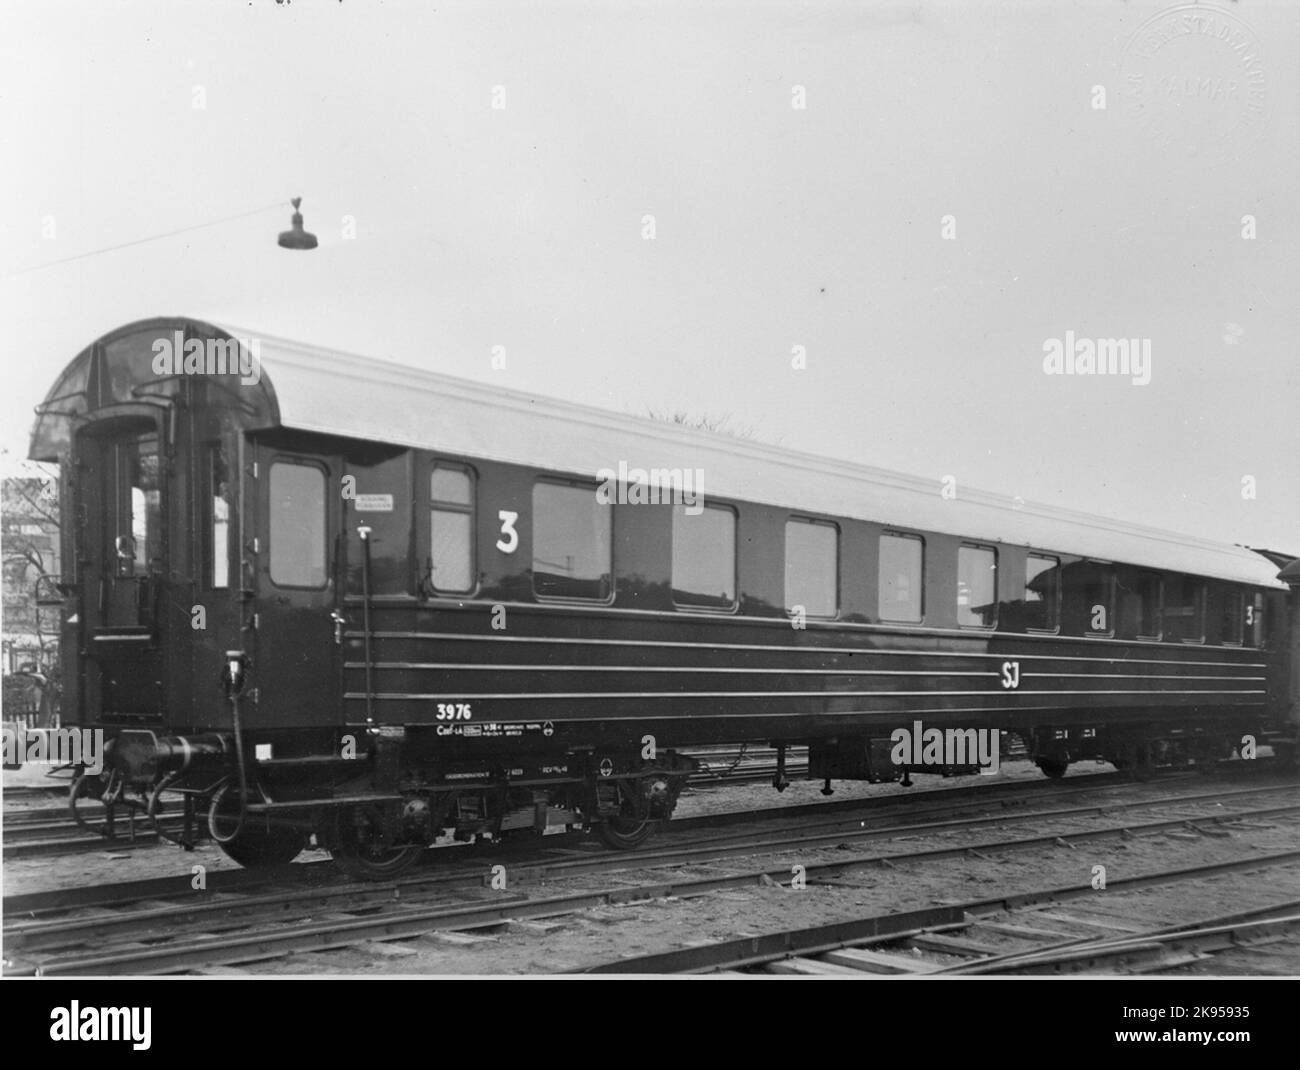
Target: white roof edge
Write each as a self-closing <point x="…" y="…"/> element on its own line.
<point x="557" y="434"/>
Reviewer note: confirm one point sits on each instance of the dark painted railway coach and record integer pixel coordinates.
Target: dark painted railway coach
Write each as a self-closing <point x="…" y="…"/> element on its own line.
<point x="311" y="593"/>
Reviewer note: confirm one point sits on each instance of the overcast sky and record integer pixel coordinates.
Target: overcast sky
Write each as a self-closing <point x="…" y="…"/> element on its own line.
<point x="775" y="226"/>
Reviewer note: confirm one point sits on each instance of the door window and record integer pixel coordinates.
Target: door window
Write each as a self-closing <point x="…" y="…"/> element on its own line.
<point x="136" y="501"/>
<point x="297" y="527"/>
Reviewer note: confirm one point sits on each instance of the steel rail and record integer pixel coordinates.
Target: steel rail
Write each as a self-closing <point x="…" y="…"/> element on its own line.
<point x="33" y="933"/>
<point x="1218" y="933"/>
<point x="756" y="950"/>
<point x="186" y="954"/>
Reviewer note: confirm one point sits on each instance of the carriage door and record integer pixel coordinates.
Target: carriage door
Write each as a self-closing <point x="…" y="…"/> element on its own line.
<point x="123" y="547"/>
<point x="296" y="660"/>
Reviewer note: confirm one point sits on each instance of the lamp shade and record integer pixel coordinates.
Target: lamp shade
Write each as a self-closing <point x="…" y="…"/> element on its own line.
<point x="296" y="237"/>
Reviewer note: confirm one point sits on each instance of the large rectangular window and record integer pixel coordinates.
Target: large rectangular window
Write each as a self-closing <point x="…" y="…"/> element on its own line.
<point x="1184" y="611"/>
<point x="1149" y="589"/>
<point x="1042" y="592"/>
<point x="1088" y="598"/>
<point x="216" y="531"/>
<point x="451" y="526"/>
<point x="297" y="527"/>
<point x="1139" y="606"/>
<point x="572" y="543"/>
<point x="136" y="497"/>
<point x="977" y="586"/>
<point x="704" y="558"/>
<point x="1232" y="617"/>
<point x="901" y="578"/>
<point x="812" y="567"/>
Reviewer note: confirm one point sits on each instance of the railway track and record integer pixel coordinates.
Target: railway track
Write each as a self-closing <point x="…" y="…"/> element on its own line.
<point x="915" y="804"/>
<point x="31" y="832"/>
<point x="32" y="792"/>
<point x="218" y="932"/>
<point x="927" y="802"/>
<point x="989" y="936"/>
<point x="534" y="866"/>
<point x="48" y="831"/>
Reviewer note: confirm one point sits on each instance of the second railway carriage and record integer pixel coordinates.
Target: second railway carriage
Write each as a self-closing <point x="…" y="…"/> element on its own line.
<point x="313" y="593"/>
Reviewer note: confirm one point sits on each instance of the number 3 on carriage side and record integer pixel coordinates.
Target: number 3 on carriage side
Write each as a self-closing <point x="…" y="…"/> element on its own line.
<point x="509" y="536"/>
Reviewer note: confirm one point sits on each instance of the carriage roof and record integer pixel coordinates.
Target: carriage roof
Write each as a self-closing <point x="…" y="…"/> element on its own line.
<point x="316" y="389"/>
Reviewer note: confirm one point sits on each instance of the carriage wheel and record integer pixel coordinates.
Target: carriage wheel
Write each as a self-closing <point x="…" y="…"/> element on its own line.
<point x="1133" y="759"/>
<point x="630" y="827"/>
<point x="1143" y="768"/>
<point x="1288" y="756"/>
<point x="623" y="833"/>
<point x="359" y="848"/>
<point x="1053" y="767"/>
<point x="256" y="846"/>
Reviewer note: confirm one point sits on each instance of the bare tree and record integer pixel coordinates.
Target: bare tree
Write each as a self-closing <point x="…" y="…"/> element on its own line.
<point x="30" y="521"/>
<point x="718" y="425"/>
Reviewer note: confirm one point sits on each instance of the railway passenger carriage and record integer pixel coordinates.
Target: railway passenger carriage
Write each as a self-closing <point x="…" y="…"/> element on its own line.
<point x="316" y="593"/>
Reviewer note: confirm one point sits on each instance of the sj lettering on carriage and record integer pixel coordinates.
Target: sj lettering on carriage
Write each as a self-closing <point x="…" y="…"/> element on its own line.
<point x="208" y="356"/>
<point x="652" y="486"/>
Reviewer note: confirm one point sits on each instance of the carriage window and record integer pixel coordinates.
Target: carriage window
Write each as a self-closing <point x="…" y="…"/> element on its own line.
<point x="1139" y="607"/>
<point x="1233" y="612"/>
<point x="704" y="557"/>
<point x="572" y="543"/>
<point x="137" y="523"/>
<point x="1184" y="613"/>
<point x="812" y="567"/>
<point x="977" y="587"/>
<point x="1149" y="597"/>
<point x="1088" y="598"/>
<point x="216" y="554"/>
<point x="1042" y="592"/>
<point x="901" y="578"/>
<point x="297" y="528"/>
<point x="451" y="554"/>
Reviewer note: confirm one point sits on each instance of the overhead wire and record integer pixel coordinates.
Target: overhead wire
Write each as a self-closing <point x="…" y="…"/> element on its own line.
<point x="152" y="237"/>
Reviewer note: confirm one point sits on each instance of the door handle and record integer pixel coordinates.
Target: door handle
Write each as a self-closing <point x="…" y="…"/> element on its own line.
<point x="339" y="620"/>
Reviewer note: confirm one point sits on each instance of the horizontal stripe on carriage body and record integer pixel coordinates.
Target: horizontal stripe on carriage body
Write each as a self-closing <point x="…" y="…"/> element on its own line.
<point x="606" y="695"/>
<point x="913" y="666"/>
<point x="643" y="619"/>
<point x="678" y="644"/>
<point x="451" y="666"/>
